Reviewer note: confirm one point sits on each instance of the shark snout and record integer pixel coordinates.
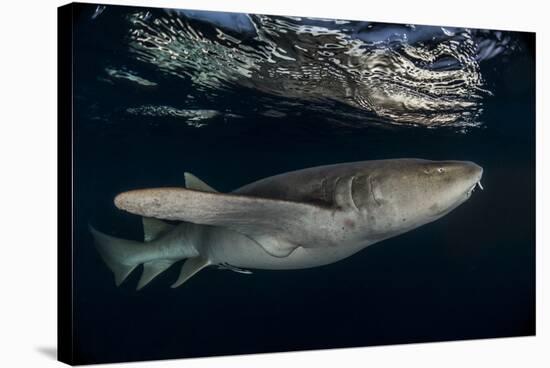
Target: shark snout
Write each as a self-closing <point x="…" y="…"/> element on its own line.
<point x="474" y="169"/>
<point x="452" y="183"/>
<point x="461" y="170"/>
<point x="467" y="176"/>
<point x="473" y="173"/>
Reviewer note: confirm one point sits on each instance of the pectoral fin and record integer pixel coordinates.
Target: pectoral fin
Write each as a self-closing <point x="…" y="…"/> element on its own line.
<point x="275" y="246"/>
<point x="277" y="225"/>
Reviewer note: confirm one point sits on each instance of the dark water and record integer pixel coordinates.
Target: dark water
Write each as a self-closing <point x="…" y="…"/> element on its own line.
<point x="143" y="118"/>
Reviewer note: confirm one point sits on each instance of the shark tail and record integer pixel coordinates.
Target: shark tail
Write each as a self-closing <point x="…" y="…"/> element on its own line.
<point x="120" y="255"/>
<point x="123" y="256"/>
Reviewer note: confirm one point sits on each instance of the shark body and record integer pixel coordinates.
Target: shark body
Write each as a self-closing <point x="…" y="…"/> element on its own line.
<point x="300" y="219"/>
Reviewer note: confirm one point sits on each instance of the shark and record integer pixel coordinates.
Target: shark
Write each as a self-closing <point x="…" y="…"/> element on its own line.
<point x="294" y="220"/>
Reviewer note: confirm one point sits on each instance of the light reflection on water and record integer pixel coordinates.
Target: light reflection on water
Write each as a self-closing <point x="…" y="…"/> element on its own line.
<point x="391" y="74"/>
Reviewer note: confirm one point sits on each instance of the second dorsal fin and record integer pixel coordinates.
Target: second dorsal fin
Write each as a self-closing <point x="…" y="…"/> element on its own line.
<point x="154" y="228"/>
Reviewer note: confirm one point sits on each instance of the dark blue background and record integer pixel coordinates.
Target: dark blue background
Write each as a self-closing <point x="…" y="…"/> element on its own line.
<point x="469" y="275"/>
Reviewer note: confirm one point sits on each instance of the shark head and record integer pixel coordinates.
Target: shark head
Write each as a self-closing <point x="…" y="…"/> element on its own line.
<point x="405" y="194"/>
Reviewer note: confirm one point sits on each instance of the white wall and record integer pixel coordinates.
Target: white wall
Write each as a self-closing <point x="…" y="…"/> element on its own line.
<point x="28" y="182"/>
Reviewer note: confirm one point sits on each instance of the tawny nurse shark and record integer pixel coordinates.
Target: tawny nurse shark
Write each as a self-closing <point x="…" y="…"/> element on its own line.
<point x="300" y="219"/>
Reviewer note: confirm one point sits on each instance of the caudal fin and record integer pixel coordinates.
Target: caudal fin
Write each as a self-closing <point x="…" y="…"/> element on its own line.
<point x="123" y="256"/>
<point x="116" y="253"/>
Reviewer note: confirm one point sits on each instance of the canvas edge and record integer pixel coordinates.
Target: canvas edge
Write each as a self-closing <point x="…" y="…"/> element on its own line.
<point x="65" y="321"/>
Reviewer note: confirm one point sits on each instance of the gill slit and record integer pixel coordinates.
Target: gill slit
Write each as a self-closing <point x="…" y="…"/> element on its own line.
<point x="351" y="194"/>
<point x="371" y="188"/>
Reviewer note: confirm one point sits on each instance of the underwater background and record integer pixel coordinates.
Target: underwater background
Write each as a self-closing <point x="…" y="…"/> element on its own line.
<point x="233" y="98"/>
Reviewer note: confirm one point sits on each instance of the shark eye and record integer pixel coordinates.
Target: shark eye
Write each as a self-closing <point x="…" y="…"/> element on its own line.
<point x="440" y="170"/>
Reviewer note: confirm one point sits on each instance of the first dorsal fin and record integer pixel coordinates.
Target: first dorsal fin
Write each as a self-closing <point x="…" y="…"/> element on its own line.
<point x="192" y="182"/>
<point x="154" y="228"/>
